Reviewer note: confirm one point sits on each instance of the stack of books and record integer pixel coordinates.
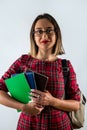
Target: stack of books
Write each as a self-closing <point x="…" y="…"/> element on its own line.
<point x="20" y="85"/>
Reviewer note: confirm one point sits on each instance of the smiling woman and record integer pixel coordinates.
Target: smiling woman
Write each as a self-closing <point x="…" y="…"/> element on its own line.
<point x="45" y="40"/>
<point x="46" y="46"/>
<point x="46" y="30"/>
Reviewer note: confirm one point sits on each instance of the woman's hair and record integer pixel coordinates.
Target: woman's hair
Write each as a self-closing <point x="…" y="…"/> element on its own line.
<point x="58" y="47"/>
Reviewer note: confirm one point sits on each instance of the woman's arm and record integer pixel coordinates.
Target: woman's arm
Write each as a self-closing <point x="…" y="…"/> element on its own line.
<point x="46" y="99"/>
<point x="7" y="100"/>
<point x="66" y="105"/>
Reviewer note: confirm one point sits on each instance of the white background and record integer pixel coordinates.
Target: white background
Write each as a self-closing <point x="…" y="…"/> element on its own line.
<point x="16" y="17"/>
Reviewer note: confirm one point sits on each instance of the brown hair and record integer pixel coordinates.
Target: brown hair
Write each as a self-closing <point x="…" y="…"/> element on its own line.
<point x="58" y="47"/>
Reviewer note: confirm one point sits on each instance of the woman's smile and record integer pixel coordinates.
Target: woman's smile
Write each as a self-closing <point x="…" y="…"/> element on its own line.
<point x="45" y="41"/>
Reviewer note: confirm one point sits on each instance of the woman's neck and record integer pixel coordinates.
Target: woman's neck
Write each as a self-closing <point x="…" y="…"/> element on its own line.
<point x="46" y="56"/>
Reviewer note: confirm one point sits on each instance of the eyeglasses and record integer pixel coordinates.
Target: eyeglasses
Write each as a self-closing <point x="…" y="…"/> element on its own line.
<point x="40" y="32"/>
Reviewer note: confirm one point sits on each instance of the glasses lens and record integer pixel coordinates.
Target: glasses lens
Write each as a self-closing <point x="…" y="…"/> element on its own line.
<point x="48" y="31"/>
<point x="40" y="32"/>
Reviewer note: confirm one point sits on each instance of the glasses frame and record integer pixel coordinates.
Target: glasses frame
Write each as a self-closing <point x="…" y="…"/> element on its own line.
<point x="48" y="31"/>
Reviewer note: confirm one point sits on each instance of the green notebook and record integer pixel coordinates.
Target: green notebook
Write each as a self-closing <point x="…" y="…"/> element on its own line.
<point x="19" y="87"/>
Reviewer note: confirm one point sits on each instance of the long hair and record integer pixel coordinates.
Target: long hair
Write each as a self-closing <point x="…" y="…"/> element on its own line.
<point x="58" y="47"/>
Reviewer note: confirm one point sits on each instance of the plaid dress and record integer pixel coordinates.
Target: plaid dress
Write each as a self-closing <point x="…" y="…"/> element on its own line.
<point x="50" y="118"/>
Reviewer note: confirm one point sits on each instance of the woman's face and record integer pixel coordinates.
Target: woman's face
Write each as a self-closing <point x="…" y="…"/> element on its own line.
<point x="44" y="34"/>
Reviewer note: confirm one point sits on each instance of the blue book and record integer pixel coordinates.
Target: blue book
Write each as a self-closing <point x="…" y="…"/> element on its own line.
<point x="31" y="80"/>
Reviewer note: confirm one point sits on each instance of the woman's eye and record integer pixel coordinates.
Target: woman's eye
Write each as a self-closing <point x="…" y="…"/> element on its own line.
<point x="40" y="31"/>
<point x="48" y="31"/>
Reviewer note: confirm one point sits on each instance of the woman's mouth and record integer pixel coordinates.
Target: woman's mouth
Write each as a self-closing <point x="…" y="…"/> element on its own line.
<point x="45" y="41"/>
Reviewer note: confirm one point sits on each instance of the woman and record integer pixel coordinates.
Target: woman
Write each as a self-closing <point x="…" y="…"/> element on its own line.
<point x="47" y="111"/>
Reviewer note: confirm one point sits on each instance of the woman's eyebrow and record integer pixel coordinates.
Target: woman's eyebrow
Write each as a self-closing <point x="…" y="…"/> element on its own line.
<point x="38" y="28"/>
<point x="44" y="28"/>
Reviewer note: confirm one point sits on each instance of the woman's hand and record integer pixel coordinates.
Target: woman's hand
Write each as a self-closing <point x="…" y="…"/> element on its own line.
<point x="42" y="98"/>
<point x="32" y="108"/>
<point x="45" y="99"/>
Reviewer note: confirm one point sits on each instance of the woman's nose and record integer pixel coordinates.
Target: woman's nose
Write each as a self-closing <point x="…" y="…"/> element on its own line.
<point x="45" y="35"/>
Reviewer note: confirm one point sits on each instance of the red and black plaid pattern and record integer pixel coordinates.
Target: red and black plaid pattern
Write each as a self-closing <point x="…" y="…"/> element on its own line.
<point x="50" y="118"/>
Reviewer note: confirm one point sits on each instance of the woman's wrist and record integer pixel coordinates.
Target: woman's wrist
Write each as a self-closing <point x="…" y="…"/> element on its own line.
<point x="23" y="107"/>
<point x="52" y="102"/>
